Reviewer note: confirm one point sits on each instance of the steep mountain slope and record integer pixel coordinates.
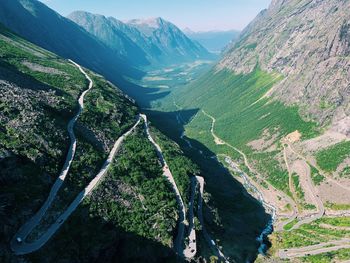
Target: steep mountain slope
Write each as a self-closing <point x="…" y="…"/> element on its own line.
<point x="155" y="40"/>
<point x="112" y="33"/>
<point x="278" y="100"/>
<point x="41" y="25"/>
<point x="214" y="41"/>
<point x="291" y="38"/>
<point x="132" y="213"/>
<point x="39" y="98"/>
<point x="173" y="44"/>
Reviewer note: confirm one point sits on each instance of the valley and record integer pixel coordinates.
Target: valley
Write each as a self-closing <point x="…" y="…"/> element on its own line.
<point x="128" y="141"/>
<point x="301" y="198"/>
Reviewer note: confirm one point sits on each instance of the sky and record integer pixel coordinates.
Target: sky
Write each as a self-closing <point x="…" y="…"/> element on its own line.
<point x="197" y="15"/>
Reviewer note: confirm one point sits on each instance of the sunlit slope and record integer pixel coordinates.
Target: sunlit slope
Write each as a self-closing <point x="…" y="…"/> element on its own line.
<point x="240" y="107"/>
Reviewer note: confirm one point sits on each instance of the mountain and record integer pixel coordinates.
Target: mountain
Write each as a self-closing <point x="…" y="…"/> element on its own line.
<point x="310" y="54"/>
<point x="132" y="212"/>
<point x="279" y="99"/>
<point x="82" y="181"/>
<point x="170" y="40"/>
<point x="112" y="33"/>
<point x="41" y="25"/>
<point x="154" y="40"/>
<point x="214" y="41"/>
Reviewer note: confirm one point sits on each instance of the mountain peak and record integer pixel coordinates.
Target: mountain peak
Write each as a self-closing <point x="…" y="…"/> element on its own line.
<point x="154" y="22"/>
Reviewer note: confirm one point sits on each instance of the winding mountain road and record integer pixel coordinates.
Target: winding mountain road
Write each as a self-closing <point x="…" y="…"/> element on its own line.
<point x="191" y="250"/>
<point x="27" y="228"/>
<point x="314" y="249"/>
<point x="199" y="180"/>
<point x="167" y="173"/>
<point x="21" y="248"/>
<point x="310" y="187"/>
<point x="206" y="235"/>
<point x="289" y="200"/>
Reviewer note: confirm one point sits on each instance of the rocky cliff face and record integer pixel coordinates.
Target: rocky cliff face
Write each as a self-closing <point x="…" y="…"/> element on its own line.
<point x="307" y="41"/>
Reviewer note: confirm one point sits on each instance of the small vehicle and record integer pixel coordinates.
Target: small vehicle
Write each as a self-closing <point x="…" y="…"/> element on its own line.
<point x="60" y="221"/>
<point x="19" y="240"/>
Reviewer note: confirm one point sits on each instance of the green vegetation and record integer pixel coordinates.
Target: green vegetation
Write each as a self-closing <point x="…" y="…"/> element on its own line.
<point x="337" y="206"/>
<point x="267" y="164"/>
<point x="346" y="172"/>
<point x="316" y="177"/>
<point x="329" y="159"/>
<point x="181" y="167"/>
<point x="324" y="104"/>
<point x="251" y="46"/>
<point x="241" y="117"/>
<point x="199" y="129"/>
<point x="135" y="195"/>
<point x="314" y="233"/>
<point x="333" y="256"/>
<point x="105" y="113"/>
<point x="299" y="191"/>
<point x="300" y="195"/>
<point x="290" y="225"/>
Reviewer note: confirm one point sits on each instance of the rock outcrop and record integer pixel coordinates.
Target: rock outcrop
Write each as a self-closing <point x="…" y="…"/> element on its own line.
<point x="307" y="41"/>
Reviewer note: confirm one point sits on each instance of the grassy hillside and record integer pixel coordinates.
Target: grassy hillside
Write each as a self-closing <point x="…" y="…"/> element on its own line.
<point x="243" y="114"/>
<point x="329" y="159"/>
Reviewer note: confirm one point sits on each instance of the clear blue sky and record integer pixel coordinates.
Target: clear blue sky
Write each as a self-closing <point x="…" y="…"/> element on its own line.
<point x="198" y="15"/>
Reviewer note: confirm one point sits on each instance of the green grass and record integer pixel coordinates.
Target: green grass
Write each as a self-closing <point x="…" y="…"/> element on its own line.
<point x="316" y="177"/>
<point x="290" y="225"/>
<point x="242" y="116"/>
<point x="346" y="172"/>
<point x="239" y="120"/>
<point x="329" y="257"/>
<point x="267" y="164"/>
<point x="329" y="159"/>
<point x="314" y="233"/>
<point x="337" y="206"/>
<point x="299" y="191"/>
<point x="199" y="129"/>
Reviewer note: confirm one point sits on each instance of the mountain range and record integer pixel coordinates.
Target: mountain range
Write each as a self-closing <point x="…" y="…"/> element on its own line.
<point x="155" y="40"/>
<point x="214" y="41"/>
<point x="259" y="151"/>
<point x="108" y="46"/>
